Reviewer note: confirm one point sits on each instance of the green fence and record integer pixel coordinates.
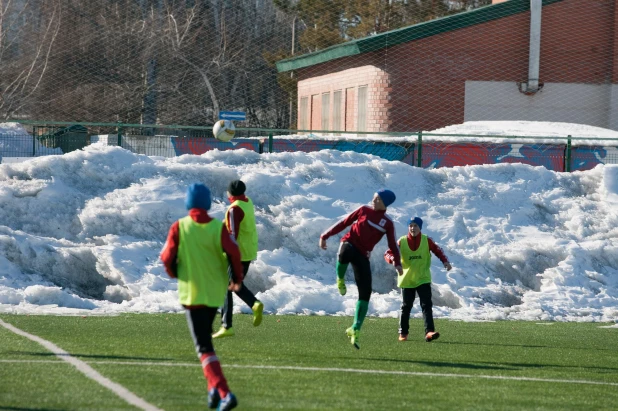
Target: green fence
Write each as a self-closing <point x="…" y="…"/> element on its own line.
<point x="428" y="150"/>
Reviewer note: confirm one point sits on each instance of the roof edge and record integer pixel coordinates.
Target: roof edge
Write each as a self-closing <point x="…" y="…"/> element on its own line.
<point x="409" y="33"/>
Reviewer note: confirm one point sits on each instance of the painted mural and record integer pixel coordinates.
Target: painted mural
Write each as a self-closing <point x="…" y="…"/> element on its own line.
<point x="304" y="145"/>
<point x="434" y="154"/>
<point x="588" y="157"/>
<point x="200" y="145"/>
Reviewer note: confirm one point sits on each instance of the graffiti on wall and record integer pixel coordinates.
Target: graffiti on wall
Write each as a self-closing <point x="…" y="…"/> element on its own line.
<point x="200" y="145"/>
<point x="434" y="154"/>
<point x="588" y="157"/>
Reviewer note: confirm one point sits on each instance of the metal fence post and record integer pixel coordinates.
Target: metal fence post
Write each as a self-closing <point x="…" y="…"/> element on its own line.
<point x="119" y="136"/>
<point x="420" y="150"/>
<point x="35" y="132"/>
<point x="270" y="142"/>
<point x="567" y="161"/>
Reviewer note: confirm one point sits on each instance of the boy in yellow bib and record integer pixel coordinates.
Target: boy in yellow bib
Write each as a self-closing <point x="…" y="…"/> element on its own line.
<point x="415" y="251"/>
<point x="240" y="222"/>
<point x="197" y="252"/>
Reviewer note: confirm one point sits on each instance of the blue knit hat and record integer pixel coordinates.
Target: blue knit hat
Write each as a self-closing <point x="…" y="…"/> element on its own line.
<point x="198" y="196"/>
<point x="416" y="220"/>
<point x="387" y="196"/>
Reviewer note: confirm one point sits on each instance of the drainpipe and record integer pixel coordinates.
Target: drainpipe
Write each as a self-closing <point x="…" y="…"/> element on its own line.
<point x="292" y="72"/>
<point x="535" y="47"/>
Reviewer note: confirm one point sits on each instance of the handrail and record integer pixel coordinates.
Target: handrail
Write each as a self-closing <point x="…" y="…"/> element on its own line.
<point x="267" y="131"/>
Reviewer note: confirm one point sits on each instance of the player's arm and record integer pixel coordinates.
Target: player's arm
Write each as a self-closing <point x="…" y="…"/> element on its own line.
<point x="438" y="252"/>
<point x="233" y="254"/>
<point x="339" y="226"/>
<point x="233" y="220"/>
<point x="394" y="247"/>
<point x="389" y="257"/>
<point x="169" y="253"/>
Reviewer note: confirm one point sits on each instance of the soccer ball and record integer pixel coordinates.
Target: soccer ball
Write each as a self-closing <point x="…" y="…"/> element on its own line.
<point x="224" y="130"/>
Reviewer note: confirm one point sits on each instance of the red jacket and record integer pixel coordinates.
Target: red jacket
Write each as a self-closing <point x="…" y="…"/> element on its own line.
<point x="170" y="250"/>
<point x="368" y="228"/>
<point x="414" y="243"/>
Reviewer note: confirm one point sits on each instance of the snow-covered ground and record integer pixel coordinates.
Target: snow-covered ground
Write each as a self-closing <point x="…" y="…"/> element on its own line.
<point x="82" y="232"/>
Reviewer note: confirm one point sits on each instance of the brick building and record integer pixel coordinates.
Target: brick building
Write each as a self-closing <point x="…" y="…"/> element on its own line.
<point x="472" y="66"/>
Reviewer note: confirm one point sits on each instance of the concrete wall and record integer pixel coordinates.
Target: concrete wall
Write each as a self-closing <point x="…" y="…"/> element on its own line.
<point x="590" y="104"/>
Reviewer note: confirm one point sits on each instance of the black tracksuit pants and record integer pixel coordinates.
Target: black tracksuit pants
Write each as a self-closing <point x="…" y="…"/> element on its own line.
<point x="348" y="254"/>
<point x="424" y="295"/>
<point x="200" y="325"/>
<point x="244" y="293"/>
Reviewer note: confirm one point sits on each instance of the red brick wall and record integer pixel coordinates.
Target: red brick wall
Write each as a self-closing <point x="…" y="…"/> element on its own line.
<point x="424" y="80"/>
<point x="432" y="87"/>
<point x="615" y="39"/>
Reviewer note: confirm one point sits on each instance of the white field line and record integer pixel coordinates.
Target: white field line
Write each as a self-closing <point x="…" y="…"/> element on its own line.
<point x="343" y="370"/>
<point x="85" y="369"/>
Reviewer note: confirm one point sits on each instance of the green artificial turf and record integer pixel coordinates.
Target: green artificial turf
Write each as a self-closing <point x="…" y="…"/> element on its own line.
<point x="300" y="362"/>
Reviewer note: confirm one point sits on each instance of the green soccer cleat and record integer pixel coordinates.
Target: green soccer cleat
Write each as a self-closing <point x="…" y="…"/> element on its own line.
<point x="353" y="334"/>
<point x="224" y="332"/>
<point x="258" y="309"/>
<point x="341" y="286"/>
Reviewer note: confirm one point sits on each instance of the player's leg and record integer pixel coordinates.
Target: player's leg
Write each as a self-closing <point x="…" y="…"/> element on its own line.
<point x="424" y="296"/>
<point x="200" y="322"/>
<point x="362" y="277"/>
<point x="344" y="256"/>
<point x="249" y="298"/>
<point x="407" y="301"/>
<point x="227" y="313"/>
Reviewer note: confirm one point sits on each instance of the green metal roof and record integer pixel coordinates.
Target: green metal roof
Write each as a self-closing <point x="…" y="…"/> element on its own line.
<point x="410" y="33"/>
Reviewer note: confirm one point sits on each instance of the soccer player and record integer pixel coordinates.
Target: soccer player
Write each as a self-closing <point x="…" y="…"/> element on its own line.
<point x="416" y="278"/>
<point x="195" y="253"/>
<point x="369" y="224"/>
<point x="240" y="222"/>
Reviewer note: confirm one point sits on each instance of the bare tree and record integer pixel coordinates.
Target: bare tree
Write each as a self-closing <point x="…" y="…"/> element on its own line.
<point x="25" y="51"/>
<point x="186" y="34"/>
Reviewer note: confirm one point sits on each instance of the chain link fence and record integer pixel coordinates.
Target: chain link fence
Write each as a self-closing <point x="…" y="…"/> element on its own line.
<point x="355" y="75"/>
<point x="338" y="65"/>
<point x="565" y="153"/>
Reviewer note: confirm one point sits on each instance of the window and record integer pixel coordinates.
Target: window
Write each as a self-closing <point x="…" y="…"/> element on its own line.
<point x="304" y="113"/>
<point x="362" y="109"/>
<point x="337" y="110"/>
<point x="350" y="99"/>
<point x="325" y="111"/>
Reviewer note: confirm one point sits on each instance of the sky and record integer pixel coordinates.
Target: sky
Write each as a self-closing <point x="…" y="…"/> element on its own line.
<point x="81" y="233"/>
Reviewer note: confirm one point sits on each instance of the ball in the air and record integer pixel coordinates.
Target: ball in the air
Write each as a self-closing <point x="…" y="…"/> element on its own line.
<point x="224" y="130"/>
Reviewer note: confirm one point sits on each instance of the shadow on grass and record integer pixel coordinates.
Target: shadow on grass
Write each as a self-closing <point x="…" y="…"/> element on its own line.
<point x="495" y="345"/>
<point x="481" y="365"/>
<point x="444" y="364"/>
<point x="587" y="348"/>
<point x="109" y="357"/>
<point x="30" y="409"/>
